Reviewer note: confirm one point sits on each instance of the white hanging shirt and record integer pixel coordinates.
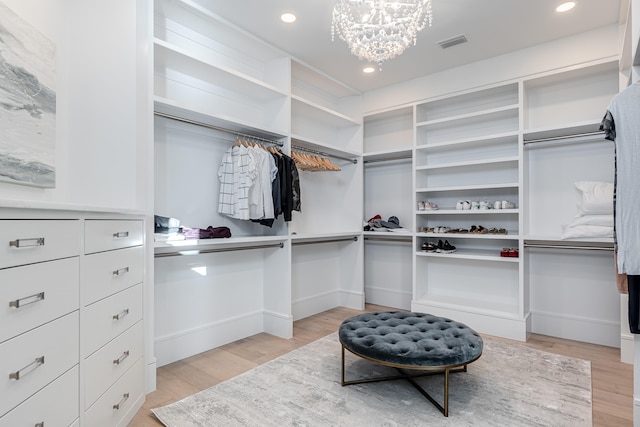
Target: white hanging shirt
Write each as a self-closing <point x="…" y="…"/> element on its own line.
<point x="237" y="173"/>
<point x="625" y="132"/>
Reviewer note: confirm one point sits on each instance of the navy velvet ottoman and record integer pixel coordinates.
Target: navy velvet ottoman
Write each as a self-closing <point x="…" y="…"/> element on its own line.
<point x="417" y="342"/>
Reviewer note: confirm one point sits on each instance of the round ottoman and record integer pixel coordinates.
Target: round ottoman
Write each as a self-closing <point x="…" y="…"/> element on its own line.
<point x="411" y="341"/>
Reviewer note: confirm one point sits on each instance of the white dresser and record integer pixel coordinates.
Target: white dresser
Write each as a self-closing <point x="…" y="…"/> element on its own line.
<point x="71" y="317"/>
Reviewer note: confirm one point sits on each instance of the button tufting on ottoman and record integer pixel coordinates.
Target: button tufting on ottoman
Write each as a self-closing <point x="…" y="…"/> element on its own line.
<point x="411" y="341"/>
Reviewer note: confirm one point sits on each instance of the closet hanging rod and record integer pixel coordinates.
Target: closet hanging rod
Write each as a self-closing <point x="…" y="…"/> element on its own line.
<point x="388" y="159"/>
<point x="345" y="239"/>
<point x="210" y="251"/>
<point x="221" y="129"/>
<point x="586" y="247"/>
<point x="556" y="138"/>
<point x="320" y="153"/>
<point x="389" y="239"/>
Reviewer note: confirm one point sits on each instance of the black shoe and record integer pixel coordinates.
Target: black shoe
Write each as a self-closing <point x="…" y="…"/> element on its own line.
<point x="440" y="246"/>
<point x="448" y="248"/>
<point x="428" y="247"/>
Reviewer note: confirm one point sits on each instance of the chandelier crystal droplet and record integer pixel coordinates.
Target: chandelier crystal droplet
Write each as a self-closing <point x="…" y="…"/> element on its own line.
<point x="379" y="30"/>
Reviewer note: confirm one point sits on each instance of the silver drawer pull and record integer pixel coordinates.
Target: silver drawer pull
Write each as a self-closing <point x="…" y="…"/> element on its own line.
<point x="124" y="399"/>
<point x="120" y="234"/>
<point x="120" y="359"/>
<point x="21" y="302"/>
<point x="28" y="369"/>
<point x="121" y="314"/>
<point x="25" y="243"/>
<point x="120" y="271"/>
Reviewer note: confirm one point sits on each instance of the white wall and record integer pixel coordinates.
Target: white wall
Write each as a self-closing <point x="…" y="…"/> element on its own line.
<point x="102" y="132"/>
<point x="593" y="45"/>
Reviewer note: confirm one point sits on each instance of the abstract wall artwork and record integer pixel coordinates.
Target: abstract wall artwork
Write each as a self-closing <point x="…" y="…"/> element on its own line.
<point x="27" y="103"/>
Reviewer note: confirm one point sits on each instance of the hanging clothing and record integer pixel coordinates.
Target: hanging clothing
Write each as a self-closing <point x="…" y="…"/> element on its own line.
<point x="621" y="125"/>
<point x="260" y="194"/>
<point x="237" y="173"/>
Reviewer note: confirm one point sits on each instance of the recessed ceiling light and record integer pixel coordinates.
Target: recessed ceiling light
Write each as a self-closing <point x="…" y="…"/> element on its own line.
<point x="288" y="17"/>
<point x="566" y="6"/>
<point x="368" y="70"/>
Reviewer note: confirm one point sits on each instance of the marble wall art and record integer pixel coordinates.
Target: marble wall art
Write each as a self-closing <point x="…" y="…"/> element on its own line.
<point x="27" y="103"/>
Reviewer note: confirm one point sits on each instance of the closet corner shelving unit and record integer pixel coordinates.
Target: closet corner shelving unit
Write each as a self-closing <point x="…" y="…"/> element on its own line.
<point x="327" y="260"/>
<point x="215" y="82"/>
<point x="526" y="141"/>
<point x="388" y="191"/>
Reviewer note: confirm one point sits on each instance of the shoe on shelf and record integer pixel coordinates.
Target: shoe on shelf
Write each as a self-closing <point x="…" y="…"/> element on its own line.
<point x="466" y="205"/>
<point x="505" y="252"/>
<point x="430" y="206"/>
<point x="514" y="253"/>
<point x="428" y="247"/>
<point x="447" y="248"/>
<point x="459" y="205"/>
<point x="421" y="205"/>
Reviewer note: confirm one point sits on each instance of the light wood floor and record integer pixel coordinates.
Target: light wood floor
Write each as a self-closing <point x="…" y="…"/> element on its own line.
<point x="612" y="381"/>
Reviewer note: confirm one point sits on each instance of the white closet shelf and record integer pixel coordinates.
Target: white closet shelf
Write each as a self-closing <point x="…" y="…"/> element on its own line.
<point x="472" y="254"/>
<point x="475" y="116"/>
<point x="172" y="108"/>
<point x="505" y="137"/>
<point x="387" y="155"/>
<point x="510" y="159"/>
<point x="172" y="57"/>
<point x="194" y="246"/>
<point x="469" y="212"/>
<point x="316" y="145"/>
<point x="512" y="235"/>
<point x="555" y="241"/>
<point x="456" y="303"/>
<point x="321" y="114"/>
<point x="467" y="187"/>
<point x="589" y="128"/>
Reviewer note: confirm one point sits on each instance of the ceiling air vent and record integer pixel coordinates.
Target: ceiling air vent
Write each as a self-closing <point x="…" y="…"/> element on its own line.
<point x="453" y="41"/>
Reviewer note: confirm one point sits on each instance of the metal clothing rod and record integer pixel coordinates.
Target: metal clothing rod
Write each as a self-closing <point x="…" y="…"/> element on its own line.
<point x="320" y="153"/>
<point x="346" y="239"/>
<point x="556" y="138"/>
<point x="590" y="248"/>
<point x="210" y="251"/>
<point x="193" y="122"/>
<point x="389" y="239"/>
<point x="408" y="156"/>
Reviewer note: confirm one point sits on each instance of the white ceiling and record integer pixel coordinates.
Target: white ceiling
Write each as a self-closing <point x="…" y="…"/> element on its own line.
<point x="493" y="27"/>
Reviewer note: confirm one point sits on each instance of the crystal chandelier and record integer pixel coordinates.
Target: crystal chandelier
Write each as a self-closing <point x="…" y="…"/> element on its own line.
<point x="378" y="30"/>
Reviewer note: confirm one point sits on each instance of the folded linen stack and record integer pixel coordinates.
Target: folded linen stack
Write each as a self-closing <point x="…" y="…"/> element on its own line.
<point x="595" y="211"/>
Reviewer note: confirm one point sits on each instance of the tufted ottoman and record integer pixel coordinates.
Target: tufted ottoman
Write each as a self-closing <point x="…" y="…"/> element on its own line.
<point x="418" y="342"/>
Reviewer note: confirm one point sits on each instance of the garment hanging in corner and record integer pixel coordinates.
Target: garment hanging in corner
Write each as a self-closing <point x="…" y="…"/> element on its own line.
<point x="621" y="125"/>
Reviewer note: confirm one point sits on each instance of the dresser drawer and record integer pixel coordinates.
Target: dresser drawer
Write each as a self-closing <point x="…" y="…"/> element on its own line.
<point x="36" y="358"/>
<point x="28" y="241"/>
<point x="106" y="365"/>
<point x="108" y="318"/>
<point x="106" y="273"/>
<point x="54" y="405"/>
<point x="119" y="401"/>
<point x="38" y="293"/>
<point x="106" y="235"/>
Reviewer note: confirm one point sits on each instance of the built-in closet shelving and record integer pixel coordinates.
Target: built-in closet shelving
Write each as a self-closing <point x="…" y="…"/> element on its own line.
<point x="527" y="142"/>
<point x="467" y="151"/>
<point x="388" y="191"/>
<point x="213" y="83"/>
<point x="326" y="266"/>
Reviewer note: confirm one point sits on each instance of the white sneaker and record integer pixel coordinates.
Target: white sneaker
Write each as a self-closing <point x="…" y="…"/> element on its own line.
<point x="459" y="205"/>
<point x="421" y="205"/>
<point x="466" y="205"/>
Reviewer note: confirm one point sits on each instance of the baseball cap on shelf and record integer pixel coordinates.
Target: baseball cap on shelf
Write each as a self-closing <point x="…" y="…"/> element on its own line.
<point x="393" y="222"/>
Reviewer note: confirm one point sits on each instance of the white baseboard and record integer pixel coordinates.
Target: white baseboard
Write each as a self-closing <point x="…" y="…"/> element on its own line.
<point x="187" y="343"/>
<point x="582" y="329"/>
<point x="388" y="297"/>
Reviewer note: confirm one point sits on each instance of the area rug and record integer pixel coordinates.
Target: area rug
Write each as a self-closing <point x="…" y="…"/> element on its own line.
<point x="510" y="385"/>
